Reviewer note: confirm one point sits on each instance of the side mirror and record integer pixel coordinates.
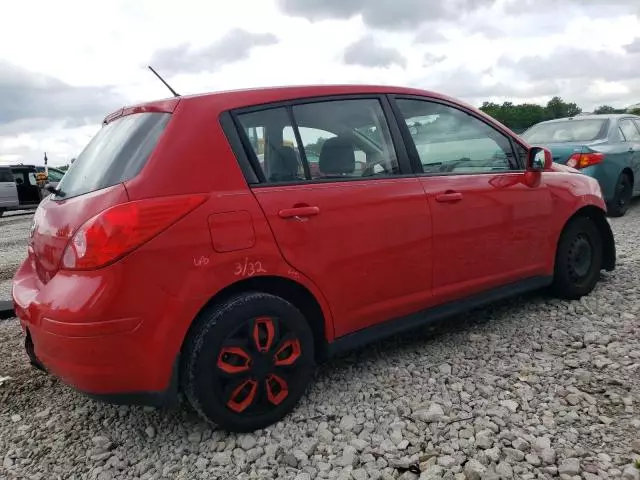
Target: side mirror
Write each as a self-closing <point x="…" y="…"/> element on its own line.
<point x="539" y="159"/>
<point x="52" y="187"/>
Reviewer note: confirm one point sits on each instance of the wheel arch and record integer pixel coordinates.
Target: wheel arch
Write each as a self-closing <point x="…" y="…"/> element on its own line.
<point x="294" y="292"/>
<point x="599" y="218"/>
<point x="629" y="172"/>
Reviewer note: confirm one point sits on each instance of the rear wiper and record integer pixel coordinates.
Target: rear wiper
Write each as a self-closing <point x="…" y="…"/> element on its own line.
<point x="54" y="189"/>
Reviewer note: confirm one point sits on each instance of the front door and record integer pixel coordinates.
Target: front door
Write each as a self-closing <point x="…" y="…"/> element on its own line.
<point x="489" y="227"/>
<point x="354" y="224"/>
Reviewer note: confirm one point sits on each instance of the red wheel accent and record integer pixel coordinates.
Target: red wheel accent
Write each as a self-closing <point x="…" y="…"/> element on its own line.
<point x="264" y="333"/>
<point x="277" y="389"/>
<point x="243" y="396"/>
<point x="288" y="353"/>
<point x="233" y="360"/>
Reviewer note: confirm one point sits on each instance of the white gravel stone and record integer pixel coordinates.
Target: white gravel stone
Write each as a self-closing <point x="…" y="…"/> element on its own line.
<point x="631" y="473"/>
<point x="435" y="413"/>
<point x="473" y="470"/>
<point x="505" y="470"/>
<point x="570" y="466"/>
<point x="348" y="422"/>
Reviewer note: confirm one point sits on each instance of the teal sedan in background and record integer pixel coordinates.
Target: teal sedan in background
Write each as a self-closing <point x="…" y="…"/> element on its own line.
<point x="605" y="147"/>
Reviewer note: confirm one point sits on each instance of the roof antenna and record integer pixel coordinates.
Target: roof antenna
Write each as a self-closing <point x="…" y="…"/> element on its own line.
<point x="175" y="94"/>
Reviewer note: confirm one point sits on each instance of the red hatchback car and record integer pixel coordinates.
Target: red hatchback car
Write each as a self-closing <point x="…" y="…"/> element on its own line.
<point x="190" y="248"/>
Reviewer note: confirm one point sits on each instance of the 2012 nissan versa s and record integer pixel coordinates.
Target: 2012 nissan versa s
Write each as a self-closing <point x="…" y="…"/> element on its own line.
<point x="191" y="248"/>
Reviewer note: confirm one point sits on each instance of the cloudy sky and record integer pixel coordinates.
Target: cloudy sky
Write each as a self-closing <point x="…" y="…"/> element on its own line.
<point x="64" y="65"/>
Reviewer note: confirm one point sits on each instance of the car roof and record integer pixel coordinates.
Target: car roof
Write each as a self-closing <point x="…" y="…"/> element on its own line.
<point x="232" y="99"/>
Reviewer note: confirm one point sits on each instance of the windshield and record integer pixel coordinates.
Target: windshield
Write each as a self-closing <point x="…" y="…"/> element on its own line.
<point x="566" y="131"/>
<point x="116" y="154"/>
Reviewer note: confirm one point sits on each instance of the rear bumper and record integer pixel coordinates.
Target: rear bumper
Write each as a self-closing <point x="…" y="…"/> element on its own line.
<point x="165" y="398"/>
<point x="102" y="334"/>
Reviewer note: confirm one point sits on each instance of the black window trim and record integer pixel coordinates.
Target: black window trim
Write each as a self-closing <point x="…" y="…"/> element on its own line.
<point x="299" y="145"/>
<point x="247" y="157"/>
<point x="413" y="152"/>
<point x="231" y="129"/>
<point x="622" y="135"/>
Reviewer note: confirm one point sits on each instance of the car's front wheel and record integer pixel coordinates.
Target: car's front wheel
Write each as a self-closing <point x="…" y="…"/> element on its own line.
<point x="578" y="259"/>
<point x="248" y="361"/>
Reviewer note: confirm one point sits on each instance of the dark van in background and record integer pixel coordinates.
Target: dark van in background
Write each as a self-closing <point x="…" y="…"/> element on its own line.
<point x="19" y="189"/>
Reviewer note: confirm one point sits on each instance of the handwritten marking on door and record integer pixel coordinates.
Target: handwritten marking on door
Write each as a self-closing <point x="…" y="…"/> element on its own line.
<point x="200" y="262"/>
<point x="248" y="269"/>
<point x="295" y="274"/>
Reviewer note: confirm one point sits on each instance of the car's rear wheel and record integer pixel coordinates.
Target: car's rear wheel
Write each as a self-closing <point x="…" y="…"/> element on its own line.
<point x="622" y="197"/>
<point x="578" y="259"/>
<point x="248" y="362"/>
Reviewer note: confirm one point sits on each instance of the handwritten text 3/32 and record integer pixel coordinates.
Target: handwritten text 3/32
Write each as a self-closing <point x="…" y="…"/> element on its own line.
<point x="248" y="269"/>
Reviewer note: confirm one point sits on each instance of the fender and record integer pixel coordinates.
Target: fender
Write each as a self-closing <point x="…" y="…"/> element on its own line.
<point x="588" y="200"/>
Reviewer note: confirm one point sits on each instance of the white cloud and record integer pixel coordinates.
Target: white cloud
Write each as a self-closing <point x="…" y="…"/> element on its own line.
<point x="81" y="57"/>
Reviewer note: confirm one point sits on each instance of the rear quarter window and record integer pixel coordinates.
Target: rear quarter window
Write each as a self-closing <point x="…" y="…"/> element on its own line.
<point x="117" y="153"/>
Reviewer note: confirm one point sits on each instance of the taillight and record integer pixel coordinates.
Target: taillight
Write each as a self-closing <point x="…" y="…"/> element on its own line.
<point x="120" y="229"/>
<point x="584" y="160"/>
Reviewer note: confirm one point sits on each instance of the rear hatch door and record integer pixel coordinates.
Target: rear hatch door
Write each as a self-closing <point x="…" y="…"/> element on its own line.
<point x="93" y="183"/>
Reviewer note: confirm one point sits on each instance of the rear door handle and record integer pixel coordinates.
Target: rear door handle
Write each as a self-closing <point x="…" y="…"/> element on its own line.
<point x="298" y="212"/>
<point x="449" y="197"/>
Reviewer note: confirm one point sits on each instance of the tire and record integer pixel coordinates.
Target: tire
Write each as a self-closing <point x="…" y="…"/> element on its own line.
<point x="230" y="371"/>
<point x="621" y="199"/>
<point x="578" y="259"/>
<point x="2" y="210"/>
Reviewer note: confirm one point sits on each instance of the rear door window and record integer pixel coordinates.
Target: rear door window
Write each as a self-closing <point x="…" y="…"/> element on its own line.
<point x="630" y="131"/>
<point x="6" y="176"/>
<point x="340" y="139"/>
<point x="116" y="153"/>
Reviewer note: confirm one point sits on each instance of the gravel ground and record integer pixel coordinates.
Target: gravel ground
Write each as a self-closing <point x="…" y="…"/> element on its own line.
<point x="529" y="388"/>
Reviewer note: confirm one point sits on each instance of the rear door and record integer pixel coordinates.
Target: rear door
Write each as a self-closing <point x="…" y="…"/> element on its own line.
<point x="357" y="223"/>
<point x="631" y="132"/>
<point x="487" y="224"/>
<point x="8" y="192"/>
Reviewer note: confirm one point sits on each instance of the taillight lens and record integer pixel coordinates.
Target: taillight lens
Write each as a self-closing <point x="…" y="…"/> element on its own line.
<point x="584" y="160"/>
<point x="120" y="229"/>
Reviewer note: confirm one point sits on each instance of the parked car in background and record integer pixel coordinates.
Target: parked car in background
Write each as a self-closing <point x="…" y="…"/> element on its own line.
<point x="228" y="286"/>
<point x="605" y="147"/>
<point x="19" y="189"/>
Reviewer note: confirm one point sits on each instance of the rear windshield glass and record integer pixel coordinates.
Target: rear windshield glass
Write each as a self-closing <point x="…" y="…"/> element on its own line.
<point x="566" y="131"/>
<point x="116" y="154"/>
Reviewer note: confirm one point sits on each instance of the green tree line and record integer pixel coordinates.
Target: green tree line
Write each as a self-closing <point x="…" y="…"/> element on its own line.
<point x="519" y="117"/>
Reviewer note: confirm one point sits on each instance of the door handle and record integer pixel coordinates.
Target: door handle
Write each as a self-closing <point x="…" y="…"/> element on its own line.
<point x="449" y="197"/>
<point x="298" y="212"/>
